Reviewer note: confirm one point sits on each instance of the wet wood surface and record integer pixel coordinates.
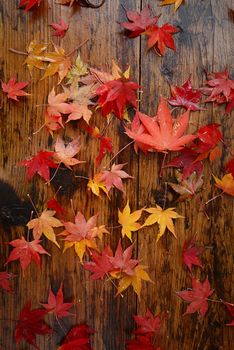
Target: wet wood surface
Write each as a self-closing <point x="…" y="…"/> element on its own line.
<point x="204" y="43"/>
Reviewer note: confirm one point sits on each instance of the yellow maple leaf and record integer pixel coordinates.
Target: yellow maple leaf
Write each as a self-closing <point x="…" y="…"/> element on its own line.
<point x="95" y="185"/>
<point x="170" y="2"/>
<point x="134" y="280"/>
<point x="44" y="225"/>
<point x="58" y="63"/>
<point x="35" y="54"/>
<point x="117" y="72"/>
<point x="226" y="183"/>
<point x="80" y="247"/>
<point x="163" y="218"/>
<point x="128" y="221"/>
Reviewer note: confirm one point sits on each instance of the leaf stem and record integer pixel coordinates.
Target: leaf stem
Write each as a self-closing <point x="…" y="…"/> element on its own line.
<point x="28" y="195"/>
<point x="55" y="173"/>
<point x="121" y="150"/>
<point x="81" y="177"/>
<point x="78" y="47"/>
<point x="163" y="163"/>
<point x="36" y="132"/>
<point x="213" y="198"/>
<point x="18" y="52"/>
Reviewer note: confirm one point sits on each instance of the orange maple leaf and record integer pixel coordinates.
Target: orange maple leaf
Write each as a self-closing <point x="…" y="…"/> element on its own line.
<point x="226" y="184"/>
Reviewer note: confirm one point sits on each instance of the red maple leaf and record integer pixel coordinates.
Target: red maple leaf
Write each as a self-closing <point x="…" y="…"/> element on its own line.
<point x="163" y="133"/>
<point x="230" y="308"/>
<point x="122" y="261"/>
<point x="25" y="251"/>
<point x="220" y="89"/>
<point x="28" y="4"/>
<point x="14" y="89"/>
<point x="115" y="95"/>
<point x="56" y="305"/>
<point x="5" y="281"/>
<point x="41" y="164"/>
<point x="161" y="37"/>
<point x="148" y="324"/>
<point x="187" y="161"/>
<point x="60" y="28"/>
<point x="55" y="205"/>
<point x="230" y="167"/>
<point x="206" y="144"/>
<point x="185" y="96"/>
<point x="77" y="339"/>
<point x="106" y="145"/>
<point x="31" y="323"/>
<point x="141" y="343"/>
<point x="191" y="254"/>
<point x="139" y="21"/>
<point x="100" y="265"/>
<point x="197" y="296"/>
<point x="113" y="177"/>
<point x="137" y="128"/>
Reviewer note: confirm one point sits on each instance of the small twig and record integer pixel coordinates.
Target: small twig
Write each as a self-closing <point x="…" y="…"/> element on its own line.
<point x="28" y="195"/>
<point x="213" y="198"/>
<point x="72" y="206"/>
<point x="110" y="279"/>
<point x="78" y="47"/>
<point x="121" y="150"/>
<point x="107" y="126"/>
<point x="28" y="228"/>
<point x="36" y="132"/>
<point x="82" y="177"/>
<point x="18" y="52"/>
<point x="163" y="163"/>
<point x="55" y="173"/>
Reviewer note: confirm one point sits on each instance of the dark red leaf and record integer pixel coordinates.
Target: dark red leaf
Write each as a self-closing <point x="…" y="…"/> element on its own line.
<point x="230" y="167"/>
<point x="5" y="281"/>
<point x="191" y="254"/>
<point x="161" y="37"/>
<point x="54" y="204"/>
<point x="141" y="343"/>
<point x="100" y="265"/>
<point x="230" y="308"/>
<point x="77" y="339"/>
<point x="28" y="4"/>
<point x="148" y="324"/>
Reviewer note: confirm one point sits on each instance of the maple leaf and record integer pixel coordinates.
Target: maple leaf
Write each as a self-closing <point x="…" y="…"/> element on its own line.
<point x="77" y="339"/>
<point x="106" y="146"/>
<point x="57" y="104"/>
<point x="113" y="177"/>
<point x="134" y="280"/>
<point x="148" y="324"/>
<point x="80" y="234"/>
<point x="191" y="253"/>
<point x="100" y="265"/>
<point x="115" y="95"/>
<point x="122" y="261"/>
<point x="128" y="221"/>
<point x="95" y="185"/>
<point x="177" y="3"/>
<point x="31" y="323"/>
<point x="161" y="37"/>
<point x="5" y="281"/>
<point x="187" y="187"/>
<point x="206" y="144"/>
<point x="219" y="88"/>
<point x="35" y="53"/>
<point x="230" y="308"/>
<point x="14" y="89"/>
<point x="226" y="184"/>
<point x="230" y="167"/>
<point x="137" y="128"/>
<point x="58" y="63"/>
<point x="28" y="4"/>
<point x="53" y="122"/>
<point x="56" y="304"/>
<point x="25" y="251"/>
<point x="80" y="69"/>
<point x="164" y="219"/>
<point x="163" y="134"/>
<point x="44" y="225"/>
<point x="187" y="161"/>
<point x="98" y="231"/>
<point x="55" y="205"/>
<point x="185" y="96"/>
<point x="197" y="296"/>
<point x="60" y="28"/>
<point x="139" y="21"/>
<point x="140" y="343"/>
<point x="65" y="154"/>
<point x="40" y="164"/>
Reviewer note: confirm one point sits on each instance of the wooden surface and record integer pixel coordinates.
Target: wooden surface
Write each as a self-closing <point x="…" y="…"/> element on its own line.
<point x="205" y="42"/>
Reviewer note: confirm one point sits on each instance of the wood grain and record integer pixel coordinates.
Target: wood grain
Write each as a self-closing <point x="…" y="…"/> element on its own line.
<point x="204" y="43"/>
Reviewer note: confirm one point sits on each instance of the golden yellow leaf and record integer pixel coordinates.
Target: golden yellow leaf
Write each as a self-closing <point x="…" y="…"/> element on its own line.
<point x="44" y="225"/>
<point x="128" y="221"/>
<point x="80" y="247"/>
<point x="134" y="280"/>
<point x="58" y="63"/>
<point x="163" y="218"/>
<point x="95" y="185"/>
<point x="226" y="183"/>
<point x="117" y="72"/>
<point x="35" y="54"/>
<point x="170" y="2"/>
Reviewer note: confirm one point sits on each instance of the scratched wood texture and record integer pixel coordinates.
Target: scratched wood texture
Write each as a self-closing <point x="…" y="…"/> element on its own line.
<point x="205" y="42"/>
